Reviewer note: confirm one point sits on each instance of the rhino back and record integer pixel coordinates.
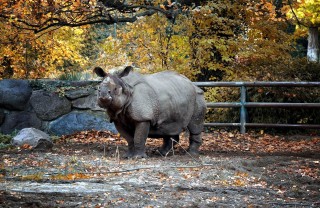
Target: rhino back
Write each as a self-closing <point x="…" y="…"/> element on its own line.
<point x="171" y="99"/>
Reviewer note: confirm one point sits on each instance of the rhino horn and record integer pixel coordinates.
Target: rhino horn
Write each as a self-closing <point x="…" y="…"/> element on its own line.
<point x="100" y="72"/>
<point x="126" y="71"/>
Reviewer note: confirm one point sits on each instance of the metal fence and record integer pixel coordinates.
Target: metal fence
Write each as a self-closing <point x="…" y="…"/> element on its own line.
<point x="243" y="104"/>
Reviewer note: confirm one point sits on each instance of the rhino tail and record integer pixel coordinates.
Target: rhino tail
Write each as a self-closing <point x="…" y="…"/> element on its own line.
<point x="199" y="91"/>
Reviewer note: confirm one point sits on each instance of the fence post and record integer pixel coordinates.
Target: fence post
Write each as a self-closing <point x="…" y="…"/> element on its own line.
<point x="243" y="110"/>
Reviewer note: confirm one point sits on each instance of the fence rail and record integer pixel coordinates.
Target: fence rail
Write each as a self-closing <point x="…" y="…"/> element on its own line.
<point x="243" y="104"/>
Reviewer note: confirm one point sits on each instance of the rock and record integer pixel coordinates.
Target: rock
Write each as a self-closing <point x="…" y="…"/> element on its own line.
<point x="17" y="120"/>
<point x="80" y="121"/>
<point x="33" y="137"/>
<point x="14" y="94"/>
<point x="89" y="102"/>
<point x="2" y="116"/>
<point x="44" y="144"/>
<point x="48" y="105"/>
<point x="78" y="93"/>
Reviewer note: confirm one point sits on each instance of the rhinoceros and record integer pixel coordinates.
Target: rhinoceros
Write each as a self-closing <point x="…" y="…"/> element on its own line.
<point x="159" y="105"/>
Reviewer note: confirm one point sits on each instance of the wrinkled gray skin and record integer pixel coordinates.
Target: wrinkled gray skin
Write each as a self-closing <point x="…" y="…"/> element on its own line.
<point x="160" y="105"/>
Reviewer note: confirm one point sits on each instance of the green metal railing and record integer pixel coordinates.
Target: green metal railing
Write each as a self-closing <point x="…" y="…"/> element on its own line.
<point x="243" y="104"/>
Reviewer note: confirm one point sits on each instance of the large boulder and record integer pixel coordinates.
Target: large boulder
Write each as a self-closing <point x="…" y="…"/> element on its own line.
<point x="14" y="94"/>
<point x="49" y="105"/>
<point x="89" y="102"/>
<point x="79" y="92"/>
<point x="33" y="137"/>
<point x="80" y="121"/>
<point x="17" y="120"/>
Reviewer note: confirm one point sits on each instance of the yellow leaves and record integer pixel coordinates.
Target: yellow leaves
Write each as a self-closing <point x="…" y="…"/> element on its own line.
<point x="33" y="177"/>
<point x="152" y="43"/>
<point x="307" y="13"/>
<point x="70" y="176"/>
<point x="38" y="56"/>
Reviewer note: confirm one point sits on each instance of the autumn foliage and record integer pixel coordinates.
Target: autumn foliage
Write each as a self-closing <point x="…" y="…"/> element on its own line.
<point x="218" y="40"/>
<point x="209" y="40"/>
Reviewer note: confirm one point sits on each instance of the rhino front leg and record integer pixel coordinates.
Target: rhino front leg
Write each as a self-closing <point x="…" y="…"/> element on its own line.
<point x="129" y="138"/>
<point x="140" y="137"/>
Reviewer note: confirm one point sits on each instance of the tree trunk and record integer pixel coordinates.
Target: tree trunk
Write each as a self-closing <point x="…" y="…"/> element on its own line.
<point x="313" y="44"/>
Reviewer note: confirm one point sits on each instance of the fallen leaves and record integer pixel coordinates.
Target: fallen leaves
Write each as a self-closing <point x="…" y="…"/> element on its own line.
<point x="223" y="141"/>
<point x="220" y="141"/>
<point x="89" y="137"/>
<point x="308" y="171"/>
<point x="77" y="163"/>
<point x="70" y="176"/>
<point x="217" y="141"/>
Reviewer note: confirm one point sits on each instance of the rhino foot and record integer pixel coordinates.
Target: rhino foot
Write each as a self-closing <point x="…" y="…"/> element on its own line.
<point x="194" y="149"/>
<point x="140" y="155"/>
<point x="132" y="155"/>
<point x="193" y="152"/>
<point x="129" y="154"/>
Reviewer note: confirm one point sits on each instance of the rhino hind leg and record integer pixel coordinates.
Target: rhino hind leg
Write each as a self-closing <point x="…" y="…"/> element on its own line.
<point x="195" y="142"/>
<point x="168" y="144"/>
<point x="195" y="128"/>
<point x="195" y="139"/>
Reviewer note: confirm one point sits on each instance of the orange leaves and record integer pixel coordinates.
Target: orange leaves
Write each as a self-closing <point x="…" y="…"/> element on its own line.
<point x="26" y="146"/>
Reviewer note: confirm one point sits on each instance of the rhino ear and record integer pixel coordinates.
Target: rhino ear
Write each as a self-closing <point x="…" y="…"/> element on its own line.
<point x="100" y="72"/>
<point x="126" y="71"/>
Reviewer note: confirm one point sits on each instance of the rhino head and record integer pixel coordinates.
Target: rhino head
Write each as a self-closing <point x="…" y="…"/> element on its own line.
<point x="113" y="92"/>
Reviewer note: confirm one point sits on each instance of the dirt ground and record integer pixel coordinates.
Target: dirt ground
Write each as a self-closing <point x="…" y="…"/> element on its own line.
<point x="87" y="170"/>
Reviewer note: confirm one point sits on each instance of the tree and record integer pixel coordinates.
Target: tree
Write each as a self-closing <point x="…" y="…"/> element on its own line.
<point x="24" y="55"/>
<point x="201" y="44"/>
<point x="42" y="15"/>
<point x="156" y="44"/>
<point x="216" y="29"/>
<point x="31" y="29"/>
<point x="305" y="13"/>
<point x="265" y="49"/>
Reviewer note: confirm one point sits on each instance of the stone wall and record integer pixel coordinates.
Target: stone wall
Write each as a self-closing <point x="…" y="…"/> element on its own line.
<point x="56" y="107"/>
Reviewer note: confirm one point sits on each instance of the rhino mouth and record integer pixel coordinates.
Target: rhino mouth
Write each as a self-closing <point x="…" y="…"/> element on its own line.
<point x="104" y="101"/>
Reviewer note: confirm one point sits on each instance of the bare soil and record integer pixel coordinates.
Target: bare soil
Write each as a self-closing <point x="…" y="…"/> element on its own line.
<point x="232" y="171"/>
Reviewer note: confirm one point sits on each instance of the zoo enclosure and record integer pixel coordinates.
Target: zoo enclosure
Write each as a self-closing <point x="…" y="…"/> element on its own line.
<point x="243" y="104"/>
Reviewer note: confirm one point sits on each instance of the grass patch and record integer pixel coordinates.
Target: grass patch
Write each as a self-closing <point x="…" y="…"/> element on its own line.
<point x="5" y="141"/>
